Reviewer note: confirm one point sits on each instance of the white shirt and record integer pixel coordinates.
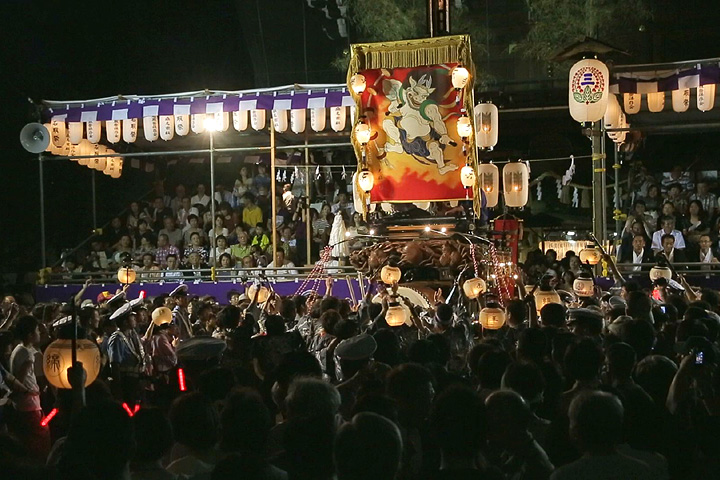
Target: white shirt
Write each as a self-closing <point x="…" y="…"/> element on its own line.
<point x="25" y="402"/>
<point x="657" y="239"/>
<point x="205" y="199"/>
<point x="637" y="258"/>
<point x="285" y="270"/>
<point x="706" y="257"/>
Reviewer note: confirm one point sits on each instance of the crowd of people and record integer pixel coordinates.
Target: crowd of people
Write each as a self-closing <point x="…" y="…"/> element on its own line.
<point x="619" y="386"/>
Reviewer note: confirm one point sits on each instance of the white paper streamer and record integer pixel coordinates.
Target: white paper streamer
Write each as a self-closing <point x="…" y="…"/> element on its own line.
<point x="576" y="198"/>
<point x="570" y="172"/>
<point x="559" y="185"/>
<point x="539" y="191"/>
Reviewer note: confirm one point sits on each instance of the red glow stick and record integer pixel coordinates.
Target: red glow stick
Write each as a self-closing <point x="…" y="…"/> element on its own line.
<point x="181" y="379"/>
<point x="136" y="409"/>
<point x="44" y="422"/>
<point x="127" y="409"/>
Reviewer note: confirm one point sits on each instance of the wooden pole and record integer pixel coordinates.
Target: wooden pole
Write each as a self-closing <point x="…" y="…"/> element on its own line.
<point x="308" y="220"/>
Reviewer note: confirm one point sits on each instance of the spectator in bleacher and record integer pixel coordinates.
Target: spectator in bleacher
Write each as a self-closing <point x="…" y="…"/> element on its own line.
<point x="222" y="195"/>
<point x="259" y="256"/>
<point x="678" y="175"/>
<point x="146" y="245"/>
<point x="261" y="179"/>
<point x="288" y="197"/>
<point x="264" y="203"/>
<point x="164" y="249"/>
<point x="115" y="231"/>
<point x="708" y="200"/>
<point x="221" y="248"/>
<point x="173" y="264"/>
<point x="207" y="219"/>
<point x="142" y="229"/>
<point x="196" y="246"/>
<point x="248" y="262"/>
<point x="639" y="214"/>
<point x="175" y="235"/>
<point x="192" y="227"/>
<point x="235" y="234"/>
<point x="124" y="247"/>
<point x="668" y="228"/>
<point x="200" y="197"/>
<point x="242" y="186"/>
<point x="157" y="213"/>
<point x="176" y="202"/>
<point x="695" y="223"/>
<point x="243" y="248"/>
<point x="252" y="214"/>
<point x="676" y="195"/>
<point x="260" y="238"/>
<point x="285" y="266"/>
<point x="705" y="253"/>
<point x="230" y="217"/>
<point x="637" y="253"/>
<point x="181" y="214"/>
<point x="673" y="254"/>
<point x="148" y="269"/>
<point x="653" y="200"/>
<point x="133" y="216"/>
<point x="343" y="204"/>
<point x="219" y="228"/>
<point x="195" y="262"/>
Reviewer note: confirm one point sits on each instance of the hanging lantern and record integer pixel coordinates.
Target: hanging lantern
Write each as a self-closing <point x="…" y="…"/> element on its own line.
<point x="365" y="180"/>
<point x="113" y="130"/>
<point x="590" y="255"/>
<point x="262" y="293"/>
<point x="222" y="121"/>
<point x="706" y="97"/>
<point x="358" y="83"/>
<point x="82" y="149"/>
<point x="362" y="133"/>
<point x="656" y="101"/>
<point x="58" y="132"/>
<point x="118" y="170"/>
<point x="280" y="120"/>
<point x="612" y="114"/>
<point x="197" y="123"/>
<point x="57" y="359"/>
<point x="584" y="286"/>
<point x="516" y="179"/>
<point x="492" y="317"/>
<point x="474" y="287"/>
<point x="93" y="129"/>
<point x="338" y="117"/>
<point x="544" y="297"/>
<point x="98" y="163"/>
<point x="167" y="127"/>
<point x="459" y="77"/>
<point x="588" y="92"/>
<point x="257" y="119"/>
<point x="151" y="128"/>
<point x="395" y="316"/>
<point x="126" y="275"/>
<point x="681" y="100"/>
<point x="161" y="316"/>
<point x="297" y="120"/>
<point x="130" y="127"/>
<point x="210" y="123"/>
<point x="464" y="128"/>
<point x="467" y="176"/>
<point x="182" y="124"/>
<point x="486" y="125"/>
<point x="659" y="271"/>
<point x="75" y="132"/>
<point x="631" y="103"/>
<point x="317" y="119"/>
<point x="489" y="182"/>
<point x="390" y="275"/>
<point x="240" y="120"/>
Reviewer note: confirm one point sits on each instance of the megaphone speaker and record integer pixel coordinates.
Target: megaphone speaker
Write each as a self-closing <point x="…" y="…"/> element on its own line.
<point x="34" y="137"/>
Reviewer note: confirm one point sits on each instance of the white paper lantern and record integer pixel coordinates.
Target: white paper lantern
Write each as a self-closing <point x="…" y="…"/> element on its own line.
<point x="58" y="133"/>
<point x="358" y="83"/>
<point x="489" y="177"/>
<point x="112" y="166"/>
<point x="118" y="171"/>
<point x="365" y="180"/>
<point x="611" y="119"/>
<point x="459" y="76"/>
<point x="113" y="130"/>
<point x="660" y="271"/>
<point x="130" y="127"/>
<point x="706" y="97"/>
<point x="516" y="179"/>
<point x="362" y="133"/>
<point x="492" y="317"/>
<point x="182" y="125"/>
<point x="98" y="163"/>
<point x="75" y="132"/>
<point x="588" y="92"/>
<point x="280" y="120"/>
<point x="486" y="125"/>
<point x="50" y="146"/>
<point x="464" y="127"/>
<point x="656" y="101"/>
<point x="240" y="120"/>
<point x="545" y="297"/>
<point x="619" y="137"/>
<point x="93" y="130"/>
<point x="197" y="123"/>
<point x="167" y="127"/>
<point x="467" y="176"/>
<point x="583" y="286"/>
<point x="338" y="116"/>
<point x="297" y="120"/>
<point x="151" y="128"/>
<point x="257" y="119"/>
<point x="631" y="103"/>
<point x="222" y="121"/>
<point x="57" y="360"/>
<point x="317" y="119"/>
<point x="474" y="287"/>
<point x="681" y="100"/>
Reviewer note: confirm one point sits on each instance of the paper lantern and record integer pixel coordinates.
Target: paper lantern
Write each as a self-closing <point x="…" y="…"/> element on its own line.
<point x="366" y="180"/>
<point x="210" y="123"/>
<point x="656" y="101"/>
<point x="130" y="127"/>
<point x="358" y="83"/>
<point x="545" y="297"/>
<point x="489" y="182"/>
<point x="631" y="103"/>
<point x="681" y="100"/>
<point x="182" y="125"/>
<point x="262" y="293"/>
<point x="113" y="130"/>
<point x="464" y="128"/>
<point x="58" y="132"/>
<point x="98" y="163"/>
<point x="474" y="287"/>
<point x="257" y="119"/>
<point x="197" y="123"/>
<point x="126" y="275"/>
<point x="467" y="176"/>
<point x="240" y="120"/>
<point x="222" y="121"/>
<point x="93" y="130"/>
<point x="117" y="172"/>
<point x="611" y="119"/>
<point x="75" y="132"/>
<point x="362" y="133"/>
<point x="297" y="120"/>
<point x="167" y="127"/>
<point x="151" y="128"/>
<point x="317" y="119"/>
<point x="338" y="117"/>
<point x="590" y="255"/>
<point x="486" y="125"/>
<point x="516" y="179"/>
<point x="459" y="76"/>
<point x="280" y="120"/>
<point x="706" y="97"/>
<point x="658" y="272"/>
<point x="390" y="275"/>
<point x="588" y="92"/>
<point x="57" y="359"/>
<point x="84" y="148"/>
<point x="584" y="286"/>
<point x="395" y="315"/>
<point x="492" y="317"/>
<point x="161" y="316"/>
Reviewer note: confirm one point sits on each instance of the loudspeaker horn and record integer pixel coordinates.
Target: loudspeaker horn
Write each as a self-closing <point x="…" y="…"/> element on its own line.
<point x="34" y="137"/>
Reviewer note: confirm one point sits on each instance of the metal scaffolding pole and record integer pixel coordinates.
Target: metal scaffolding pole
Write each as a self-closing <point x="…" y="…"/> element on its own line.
<point x="212" y="196"/>
<point x="308" y="220"/>
<point x="94" y="201"/>
<point x="43" y="258"/>
<point x="273" y="189"/>
<point x="598" y="182"/>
